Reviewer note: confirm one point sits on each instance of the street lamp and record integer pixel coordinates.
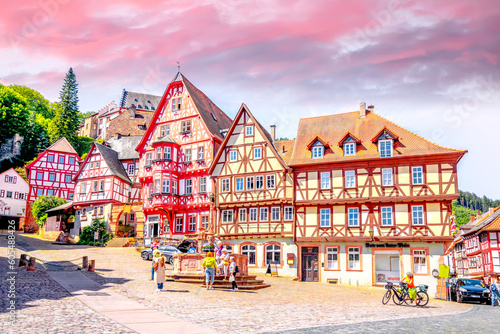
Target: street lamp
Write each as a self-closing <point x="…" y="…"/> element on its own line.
<point x="371" y="232"/>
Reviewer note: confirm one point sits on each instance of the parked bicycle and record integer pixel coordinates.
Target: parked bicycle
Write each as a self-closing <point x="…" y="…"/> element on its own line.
<point x="400" y="295"/>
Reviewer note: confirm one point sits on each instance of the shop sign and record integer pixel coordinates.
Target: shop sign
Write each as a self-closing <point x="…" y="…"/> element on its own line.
<point x="387" y="245"/>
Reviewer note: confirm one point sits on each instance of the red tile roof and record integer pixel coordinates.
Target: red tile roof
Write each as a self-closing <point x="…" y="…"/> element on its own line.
<point x="285" y="149"/>
<point x="332" y="128"/>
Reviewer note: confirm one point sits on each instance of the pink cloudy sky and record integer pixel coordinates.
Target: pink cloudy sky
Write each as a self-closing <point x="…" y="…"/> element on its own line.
<point x="431" y="66"/>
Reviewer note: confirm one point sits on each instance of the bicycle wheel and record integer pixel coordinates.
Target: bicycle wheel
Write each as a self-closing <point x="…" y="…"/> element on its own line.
<point x="422" y="298"/>
<point x="408" y="301"/>
<point x="396" y="298"/>
<point x="387" y="297"/>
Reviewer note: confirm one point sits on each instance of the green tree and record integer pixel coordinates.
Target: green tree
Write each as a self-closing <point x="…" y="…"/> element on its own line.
<point x="35" y="139"/>
<point x="35" y="101"/>
<point x="13" y="113"/>
<point x="42" y="204"/>
<point x="67" y="117"/>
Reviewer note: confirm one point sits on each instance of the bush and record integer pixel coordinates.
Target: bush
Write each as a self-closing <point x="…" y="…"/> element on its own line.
<point x="87" y="234"/>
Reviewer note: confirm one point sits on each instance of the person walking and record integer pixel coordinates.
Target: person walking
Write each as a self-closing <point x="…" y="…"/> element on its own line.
<point x="210" y="266"/>
<point x="160" y="272"/>
<point x="495" y="292"/>
<point x="232" y="270"/>
<point x="218" y="254"/>
<point x="156" y="256"/>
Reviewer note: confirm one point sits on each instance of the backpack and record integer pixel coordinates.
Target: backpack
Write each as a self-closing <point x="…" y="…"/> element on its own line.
<point x="236" y="270"/>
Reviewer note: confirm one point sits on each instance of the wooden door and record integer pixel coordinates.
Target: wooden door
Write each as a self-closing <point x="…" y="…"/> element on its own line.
<point x="310" y="272"/>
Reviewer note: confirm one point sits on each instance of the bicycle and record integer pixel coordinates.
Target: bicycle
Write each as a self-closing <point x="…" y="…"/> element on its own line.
<point x="401" y="295"/>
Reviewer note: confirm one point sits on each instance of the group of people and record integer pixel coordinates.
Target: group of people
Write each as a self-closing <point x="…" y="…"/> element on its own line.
<point x="223" y="264"/>
<point x="494" y="287"/>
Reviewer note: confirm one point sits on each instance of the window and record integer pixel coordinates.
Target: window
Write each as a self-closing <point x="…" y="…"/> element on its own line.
<point x="264" y="214"/>
<point x="350" y="179"/>
<point x="174" y="187"/>
<point x="233" y="155"/>
<point x="39" y="192"/>
<point x="270" y="181"/>
<point x="203" y="185"/>
<point x="189" y="186"/>
<point x="275" y="214"/>
<point x="186" y="126"/>
<point x="242" y="214"/>
<point x="148" y="159"/>
<point x="332" y="258"/>
<point x="174" y="104"/>
<point x="249" y="130"/>
<point x="317" y="152"/>
<point x="387" y="177"/>
<point x="417" y="175"/>
<point x="101" y="211"/>
<point x="419" y="262"/>
<point x="192" y="223"/>
<point x="417" y="214"/>
<point x="288" y="213"/>
<point x="131" y="169"/>
<point x="61" y="159"/>
<point x="91" y="165"/>
<point x="225" y="185"/>
<point x="39" y="176"/>
<point x="71" y="161"/>
<point x="188" y="155"/>
<point x="167" y="153"/>
<point x="10" y="179"/>
<point x="50" y="192"/>
<point x="101" y="186"/>
<point x="354" y="258"/>
<point x="259" y="182"/>
<point x="253" y="214"/>
<point x="68" y="178"/>
<point x="249" y="251"/>
<point x="386" y="213"/>
<point x="178" y="225"/>
<point x="131" y="218"/>
<point x="9" y="194"/>
<point x="324" y="218"/>
<point x="257" y="153"/>
<point x="50" y="158"/>
<point x="239" y="184"/>
<point x="250" y="184"/>
<point x="165" y="187"/>
<point x="227" y="216"/>
<point x="157" y="187"/>
<point x="158" y="153"/>
<point x="385" y="148"/>
<point x="163" y="131"/>
<point x="94" y="186"/>
<point x="52" y="177"/>
<point x="349" y="149"/>
<point x="83" y="187"/>
<point x="353" y="217"/>
<point x="70" y="196"/>
<point x="325" y="180"/>
<point x="21" y="196"/>
<point x="97" y="164"/>
<point x="273" y="254"/>
<point x="204" y="222"/>
<point x="179" y="102"/>
<point x="201" y="153"/>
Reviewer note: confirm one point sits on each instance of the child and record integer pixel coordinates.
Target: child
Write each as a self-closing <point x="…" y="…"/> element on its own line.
<point x="232" y="270"/>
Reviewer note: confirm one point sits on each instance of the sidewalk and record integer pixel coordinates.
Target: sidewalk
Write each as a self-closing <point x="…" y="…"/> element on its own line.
<point x="121" y="309"/>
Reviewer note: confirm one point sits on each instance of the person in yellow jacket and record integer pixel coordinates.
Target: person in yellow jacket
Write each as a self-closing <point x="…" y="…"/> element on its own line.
<point x="210" y="265"/>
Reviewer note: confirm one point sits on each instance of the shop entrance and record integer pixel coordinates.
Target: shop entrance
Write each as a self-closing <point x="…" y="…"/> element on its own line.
<point x="387" y="266"/>
<point x="310" y="266"/>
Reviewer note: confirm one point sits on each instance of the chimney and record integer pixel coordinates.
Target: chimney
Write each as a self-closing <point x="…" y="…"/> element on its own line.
<point x="362" y="110"/>
<point x="132" y="111"/>
<point x="491" y="210"/>
<point x="371" y="107"/>
<point x="472" y="218"/>
<point x="273" y="132"/>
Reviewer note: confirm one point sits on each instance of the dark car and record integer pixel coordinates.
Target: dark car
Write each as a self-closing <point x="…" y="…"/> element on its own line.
<point x="168" y="251"/>
<point x="186" y="244"/>
<point x="469" y="289"/>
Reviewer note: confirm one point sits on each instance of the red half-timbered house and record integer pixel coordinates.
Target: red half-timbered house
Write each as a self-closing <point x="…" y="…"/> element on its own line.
<point x="372" y="199"/>
<point x="51" y="174"/>
<point x="107" y="187"/>
<point x="254" y="193"/>
<point x="185" y="133"/>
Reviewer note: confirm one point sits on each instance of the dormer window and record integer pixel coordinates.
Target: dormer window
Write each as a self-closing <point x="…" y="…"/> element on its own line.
<point x="317" y="147"/>
<point x="349" y="149"/>
<point x="318" y="151"/>
<point x="349" y="144"/>
<point x="385" y="148"/>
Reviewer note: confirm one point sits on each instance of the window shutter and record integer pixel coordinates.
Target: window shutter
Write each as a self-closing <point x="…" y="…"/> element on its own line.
<point x="2" y="193"/>
<point x="15" y="179"/>
<point x="6" y="178"/>
<point x="16" y="195"/>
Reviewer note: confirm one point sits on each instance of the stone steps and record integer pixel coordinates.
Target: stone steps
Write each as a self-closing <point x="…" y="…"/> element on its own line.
<point x="247" y="282"/>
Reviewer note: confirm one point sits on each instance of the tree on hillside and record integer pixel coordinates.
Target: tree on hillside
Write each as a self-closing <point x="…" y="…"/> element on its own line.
<point x="67" y="117"/>
<point x="13" y="113"/>
<point x="474" y="202"/>
<point x="35" y="101"/>
<point x="35" y="139"/>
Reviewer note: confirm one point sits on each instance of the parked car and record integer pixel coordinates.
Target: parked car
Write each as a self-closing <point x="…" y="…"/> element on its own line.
<point x="185" y="244"/>
<point x="168" y="251"/>
<point x="469" y="289"/>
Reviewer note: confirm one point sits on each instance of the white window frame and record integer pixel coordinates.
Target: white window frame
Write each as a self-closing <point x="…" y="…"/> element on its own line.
<point x="275" y="213"/>
<point x="325" y="180"/>
<point x="240" y="184"/>
<point x="385" y="147"/>
<point x="249" y="130"/>
<point x="325" y="217"/>
<point x="264" y="214"/>
<point x="353" y="217"/>
<point x="354" y="258"/>
<point x="350" y="179"/>
<point x="288" y="213"/>
<point x="257" y="153"/>
<point x="233" y="155"/>
<point x="317" y="152"/>
<point x="246" y="250"/>
<point x="417" y="215"/>
<point x="167" y="153"/>
<point x="148" y="159"/>
<point x="387" y="177"/>
<point x="189" y="186"/>
<point x="253" y="214"/>
<point x="259" y="182"/>
<point x="242" y="215"/>
<point x="203" y="184"/>
<point x="179" y="225"/>
<point x="187" y="156"/>
<point x="227" y="216"/>
<point x="252" y="179"/>
<point x="201" y="153"/>
<point x="349" y="149"/>
<point x="417" y="175"/>
<point x="204" y="222"/>
<point x="226" y="185"/>
<point x="420" y="261"/>
<point x="274" y="250"/>
<point x="131" y="169"/>
<point x="158" y="153"/>
<point x="192" y="223"/>
<point x="386" y="216"/>
<point x="165" y="186"/>
<point x="332" y="258"/>
<point x="270" y="181"/>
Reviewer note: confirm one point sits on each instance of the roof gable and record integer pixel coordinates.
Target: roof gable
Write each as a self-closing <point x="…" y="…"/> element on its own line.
<point x="349" y="137"/>
<point x="62" y="145"/>
<point x="317" y="141"/>
<point x="385" y="133"/>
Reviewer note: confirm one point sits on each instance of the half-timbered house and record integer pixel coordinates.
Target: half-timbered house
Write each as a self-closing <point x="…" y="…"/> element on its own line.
<point x="185" y="133"/>
<point x="254" y="193"/>
<point x="107" y="187"/>
<point x="13" y="195"/>
<point x="372" y="199"/>
<point x="51" y="174"/>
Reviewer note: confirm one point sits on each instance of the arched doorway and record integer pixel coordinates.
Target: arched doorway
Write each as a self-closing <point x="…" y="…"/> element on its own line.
<point x="127" y="224"/>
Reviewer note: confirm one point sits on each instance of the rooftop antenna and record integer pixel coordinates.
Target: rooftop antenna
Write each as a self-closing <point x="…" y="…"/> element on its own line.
<point x="178" y="67"/>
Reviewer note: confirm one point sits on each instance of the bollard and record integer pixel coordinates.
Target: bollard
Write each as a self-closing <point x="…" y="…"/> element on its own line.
<point x="31" y="264"/>
<point x="92" y="266"/>
<point x="23" y="260"/>
<point x="85" y="262"/>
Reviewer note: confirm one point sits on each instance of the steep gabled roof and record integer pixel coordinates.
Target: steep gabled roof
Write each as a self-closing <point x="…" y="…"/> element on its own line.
<point x="125" y="147"/>
<point x="140" y="100"/>
<point x="258" y="127"/>
<point x="62" y="145"/>
<point x="349" y="135"/>
<point x="111" y="158"/>
<point x="126" y="126"/>
<point x="331" y="128"/>
<point x="318" y="139"/>
<point x="13" y="171"/>
<point x="285" y="149"/>
<point x="484" y="221"/>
